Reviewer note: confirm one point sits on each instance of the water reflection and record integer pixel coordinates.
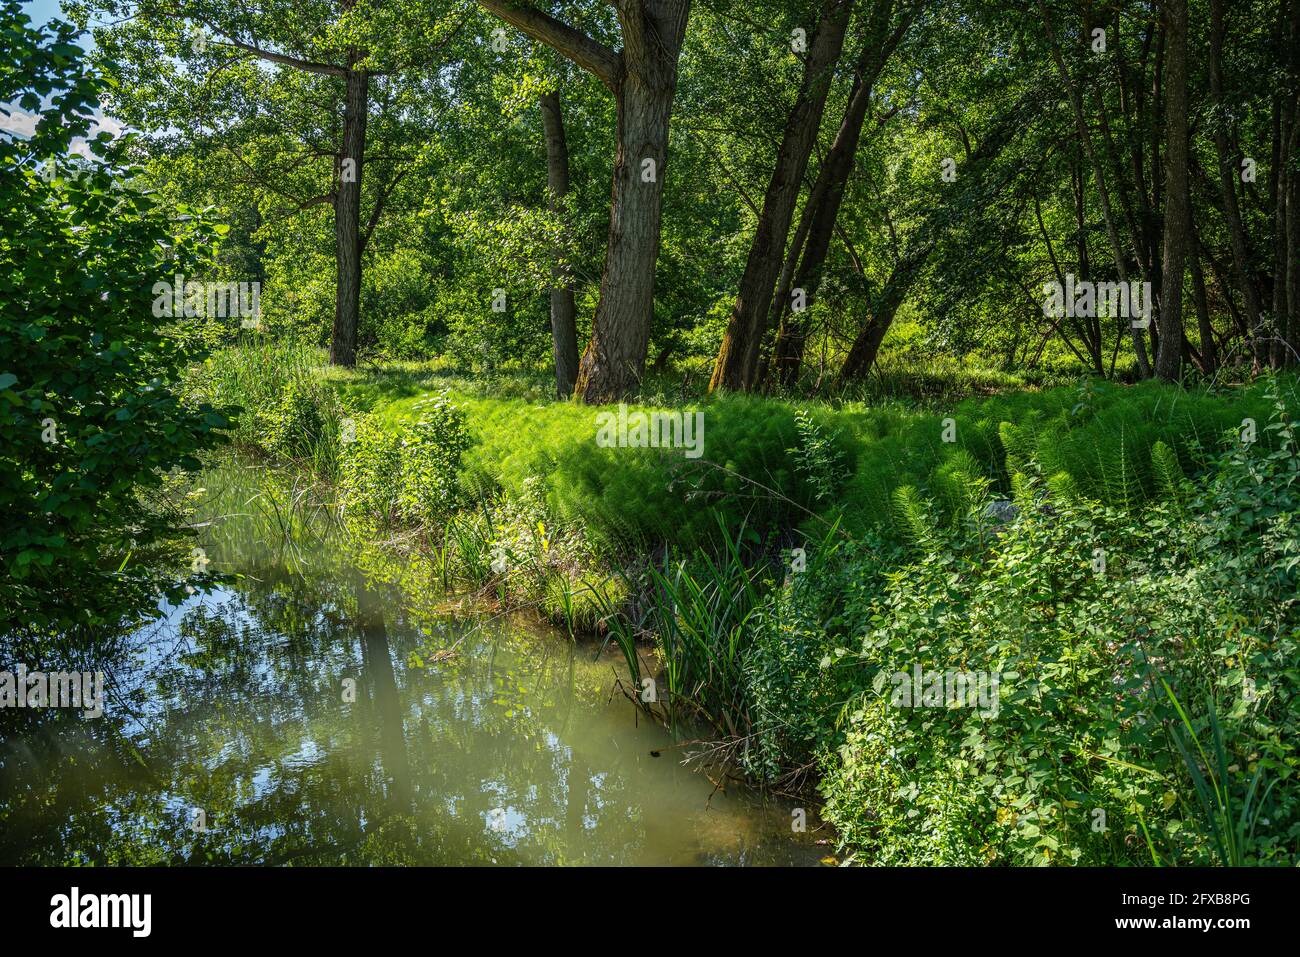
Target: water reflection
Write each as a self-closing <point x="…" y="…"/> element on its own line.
<point x="316" y="713"/>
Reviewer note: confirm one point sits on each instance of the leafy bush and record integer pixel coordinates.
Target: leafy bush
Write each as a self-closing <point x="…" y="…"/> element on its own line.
<point x="1080" y="763"/>
<point x="304" y="415"/>
<point x="399" y="305"/>
<point x="407" y="472"/>
<point x="431" y="457"/>
<point x="90" y="413"/>
<point x="370" y="470"/>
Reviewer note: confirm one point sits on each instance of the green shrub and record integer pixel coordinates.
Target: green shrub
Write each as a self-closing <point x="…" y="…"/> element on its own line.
<point x="407" y="472"/>
<point x="430" y="461"/>
<point x="370" y="470"/>
<point x="305" y="414"/>
<point x="1201" y="596"/>
<point x="92" y="418"/>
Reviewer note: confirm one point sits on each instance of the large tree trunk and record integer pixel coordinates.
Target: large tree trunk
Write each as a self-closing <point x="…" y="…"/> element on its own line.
<point x="1178" y="197"/>
<point x="1277" y="190"/>
<point x="1133" y="88"/>
<point x="347" y="220"/>
<point x="643" y="78"/>
<point x="1293" y="246"/>
<point x="1286" y="128"/>
<point x="737" y="361"/>
<point x="828" y="193"/>
<point x="564" y="332"/>
<point x="614" y="361"/>
<point x="1099" y="176"/>
<point x="1229" y="172"/>
<point x="1205" y="328"/>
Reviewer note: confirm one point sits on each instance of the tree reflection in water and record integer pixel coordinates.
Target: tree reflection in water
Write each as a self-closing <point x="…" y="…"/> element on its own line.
<point x="511" y="750"/>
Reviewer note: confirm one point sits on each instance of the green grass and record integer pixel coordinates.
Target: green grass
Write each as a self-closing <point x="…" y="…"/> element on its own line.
<point x="1100" y="435"/>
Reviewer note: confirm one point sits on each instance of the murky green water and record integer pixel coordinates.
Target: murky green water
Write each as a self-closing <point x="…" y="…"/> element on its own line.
<point x="330" y="708"/>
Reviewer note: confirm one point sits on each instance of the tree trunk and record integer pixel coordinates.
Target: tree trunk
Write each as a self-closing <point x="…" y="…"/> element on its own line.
<point x="564" y="332"/>
<point x="1292" y="183"/>
<point x="865" y="348"/>
<point x="828" y="193"/>
<point x="1099" y="177"/>
<point x="1293" y="248"/>
<point x="1277" y="188"/>
<point x="971" y="192"/>
<point x="1209" y="355"/>
<point x="1228" y="174"/>
<point x="347" y="220"/>
<point x="1178" y="197"/>
<point x="614" y="361"/>
<point x="737" y="360"/>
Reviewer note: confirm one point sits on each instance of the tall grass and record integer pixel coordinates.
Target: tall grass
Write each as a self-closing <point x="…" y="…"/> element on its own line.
<point x="698" y="611"/>
<point x="253" y="376"/>
<point x="1229" y="822"/>
<point x="286" y="405"/>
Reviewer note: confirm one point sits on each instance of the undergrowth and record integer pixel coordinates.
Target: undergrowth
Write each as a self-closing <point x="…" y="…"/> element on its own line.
<point x="1123" y="558"/>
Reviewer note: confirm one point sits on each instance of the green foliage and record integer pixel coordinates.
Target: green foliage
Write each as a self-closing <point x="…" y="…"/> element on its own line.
<point x="401" y="306"/>
<point x="1100" y="438"/>
<point x="431" y="458"/>
<point x="410" y="472"/>
<point x="298" y="422"/>
<point x="370" y="473"/>
<point x="1168" y="472"/>
<point x="817" y="458"/>
<point x="89" y="412"/>
<point x="1233" y="833"/>
<point x="628" y="498"/>
<point x="1193" y="599"/>
<point x="282" y="403"/>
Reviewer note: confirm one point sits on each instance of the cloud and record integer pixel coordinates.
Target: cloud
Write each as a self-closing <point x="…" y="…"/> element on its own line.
<point x="106" y="124"/>
<point x="18" y="121"/>
<point x="24" y="124"/>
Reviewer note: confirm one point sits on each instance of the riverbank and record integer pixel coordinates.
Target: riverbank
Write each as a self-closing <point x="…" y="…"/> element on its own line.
<point x="1118" y="562"/>
<point x="320" y="705"/>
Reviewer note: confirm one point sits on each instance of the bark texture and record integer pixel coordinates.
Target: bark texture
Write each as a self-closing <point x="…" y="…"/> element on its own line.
<point x="737" y="363"/>
<point x="564" y="332"/>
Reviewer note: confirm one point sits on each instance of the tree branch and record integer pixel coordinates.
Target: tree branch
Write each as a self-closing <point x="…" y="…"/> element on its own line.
<point x="325" y="69"/>
<point x="591" y="55"/>
<point x="378" y="210"/>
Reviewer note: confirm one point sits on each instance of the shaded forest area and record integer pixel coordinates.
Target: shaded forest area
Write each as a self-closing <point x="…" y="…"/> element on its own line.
<point x="984" y="539"/>
<point x="790" y="182"/>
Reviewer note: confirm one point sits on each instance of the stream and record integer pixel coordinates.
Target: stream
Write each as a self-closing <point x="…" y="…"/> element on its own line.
<point x="334" y="706"/>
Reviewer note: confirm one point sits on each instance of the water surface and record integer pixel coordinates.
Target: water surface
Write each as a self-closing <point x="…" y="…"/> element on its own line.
<point x="333" y="707"/>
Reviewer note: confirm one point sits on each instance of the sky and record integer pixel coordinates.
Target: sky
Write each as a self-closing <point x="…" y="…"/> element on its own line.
<point x="22" y="123"/>
<point x="41" y="10"/>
